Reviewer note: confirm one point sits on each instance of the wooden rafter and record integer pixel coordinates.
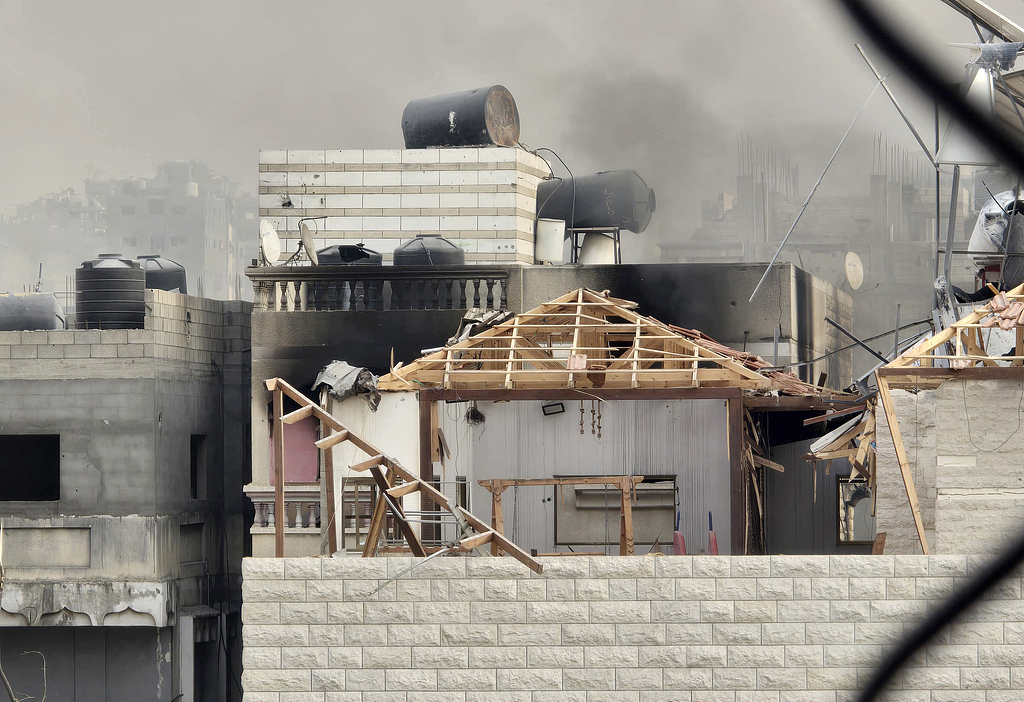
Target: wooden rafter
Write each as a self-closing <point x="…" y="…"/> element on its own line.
<point x="965" y="339"/>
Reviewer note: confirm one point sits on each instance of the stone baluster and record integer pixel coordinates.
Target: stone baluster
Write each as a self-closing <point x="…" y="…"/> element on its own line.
<point x="462" y="294"/>
<point x="449" y="302"/>
<point x="490" y="293"/>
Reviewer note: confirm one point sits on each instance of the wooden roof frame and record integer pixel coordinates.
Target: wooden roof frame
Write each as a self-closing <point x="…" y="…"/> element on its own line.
<point x="961" y="346"/>
<point x="583" y="339"/>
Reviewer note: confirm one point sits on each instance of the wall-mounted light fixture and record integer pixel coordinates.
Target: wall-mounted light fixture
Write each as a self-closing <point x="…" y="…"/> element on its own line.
<point x="553" y="408"/>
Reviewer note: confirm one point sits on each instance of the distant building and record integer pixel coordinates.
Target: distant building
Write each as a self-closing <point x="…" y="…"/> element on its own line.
<point x="891" y="229"/>
<point x="189" y="215"/>
<point x="186" y="213"/>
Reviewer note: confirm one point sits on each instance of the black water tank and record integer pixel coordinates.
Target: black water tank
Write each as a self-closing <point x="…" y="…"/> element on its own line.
<point x="111" y="293"/>
<point x="349" y="255"/>
<point x="480" y="117"/>
<point x="29" y="311"/>
<point x="607" y="199"/>
<point x="163" y="273"/>
<point x="429" y="251"/>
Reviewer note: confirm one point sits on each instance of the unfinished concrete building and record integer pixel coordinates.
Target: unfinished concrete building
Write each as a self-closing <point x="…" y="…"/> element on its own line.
<point x="123" y="454"/>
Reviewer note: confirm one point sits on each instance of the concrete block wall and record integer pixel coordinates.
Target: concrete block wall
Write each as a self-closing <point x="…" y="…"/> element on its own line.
<point x="610" y="629"/>
<point x="482" y="199"/>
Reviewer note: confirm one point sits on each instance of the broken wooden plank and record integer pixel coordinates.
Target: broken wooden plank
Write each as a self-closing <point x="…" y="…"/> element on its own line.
<point x="765" y="463"/>
<point x="885" y="398"/>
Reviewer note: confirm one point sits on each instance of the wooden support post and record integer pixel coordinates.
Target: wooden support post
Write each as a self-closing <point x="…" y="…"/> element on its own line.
<point x="279" y="512"/>
<point x="885" y="398"/>
<point x="497" y="519"/>
<point x="427" y="442"/>
<point x="328" y="514"/>
<point x="1018" y="349"/>
<point x="737" y="484"/>
<point x="407" y="531"/>
<point x="626" y="518"/>
<point x="376" y="521"/>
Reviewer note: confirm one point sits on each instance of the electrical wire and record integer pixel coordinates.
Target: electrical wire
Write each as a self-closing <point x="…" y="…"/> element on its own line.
<point x="1011" y="151"/>
<point x="967" y="415"/>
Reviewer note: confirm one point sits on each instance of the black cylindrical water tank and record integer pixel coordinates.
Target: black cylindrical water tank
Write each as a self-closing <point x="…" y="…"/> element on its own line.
<point x="28" y="311"/>
<point x="349" y="255"/>
<point x="111" y="293"/>
<point x="607" y="199"/>
<point x="429" y="251"/>
<point x="479" y="117"/>
<point x="163" y="273"/>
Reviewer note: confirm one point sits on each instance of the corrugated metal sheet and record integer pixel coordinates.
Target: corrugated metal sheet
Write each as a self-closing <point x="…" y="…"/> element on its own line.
<point x="801" y="513"/>
<point x="685" y="438"/>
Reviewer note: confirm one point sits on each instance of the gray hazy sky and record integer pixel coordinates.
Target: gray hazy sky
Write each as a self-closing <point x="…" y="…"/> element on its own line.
<point x="111" y="88"/>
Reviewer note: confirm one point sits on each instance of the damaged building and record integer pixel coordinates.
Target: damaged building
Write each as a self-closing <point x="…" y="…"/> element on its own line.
<point x="123" y="451"/>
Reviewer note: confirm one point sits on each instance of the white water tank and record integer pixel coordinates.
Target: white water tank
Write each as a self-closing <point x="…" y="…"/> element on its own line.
<point x="597" y="249"/>
<point x="550" y="241"/>
<point x="191" y="189"/>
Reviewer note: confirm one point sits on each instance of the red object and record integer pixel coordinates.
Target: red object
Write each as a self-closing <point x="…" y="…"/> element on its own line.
<point x="712" y="539"/>
<point x="678" y="544"/>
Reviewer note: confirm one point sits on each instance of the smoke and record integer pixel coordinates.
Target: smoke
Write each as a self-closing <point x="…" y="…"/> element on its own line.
<point x="656" y="126"/>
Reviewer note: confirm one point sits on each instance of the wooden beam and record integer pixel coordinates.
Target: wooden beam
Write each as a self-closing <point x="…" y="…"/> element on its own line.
<point x="367" y="464"/>
<point x="620" y="481"/>
<point x="279" y="508"/>
<point x="298" y="415"/>
<point x="506" y="545"/>
<point x="404" y="489"/>
<point x="885" y="398"/>
<point x="330" y="440"/>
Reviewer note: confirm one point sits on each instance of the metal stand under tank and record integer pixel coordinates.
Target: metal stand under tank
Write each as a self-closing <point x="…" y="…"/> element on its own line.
<point x="111" y="293"/>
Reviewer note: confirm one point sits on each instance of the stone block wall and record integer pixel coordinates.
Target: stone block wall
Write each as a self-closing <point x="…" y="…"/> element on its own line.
<point x="612" y="629"/>
<point x="482" y="199"/>
<point x="916" y="415"/>
<point x="964" y="441"/>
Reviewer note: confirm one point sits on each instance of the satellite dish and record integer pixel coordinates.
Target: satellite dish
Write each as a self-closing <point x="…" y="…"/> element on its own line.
<point x="307" y="243"/>
<point x="270" y="242"/>
<point x="854" y="270"/>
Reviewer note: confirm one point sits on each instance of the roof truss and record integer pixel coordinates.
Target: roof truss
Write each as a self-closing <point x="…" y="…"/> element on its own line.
<point x="583" y="339"/>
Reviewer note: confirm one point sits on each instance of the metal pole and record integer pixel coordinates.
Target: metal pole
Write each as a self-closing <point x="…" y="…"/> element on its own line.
<point x="860" y="343"/>
<point x="811" y="194"/>
<point x="950" y="230"/>
<point x="881" y="80"/>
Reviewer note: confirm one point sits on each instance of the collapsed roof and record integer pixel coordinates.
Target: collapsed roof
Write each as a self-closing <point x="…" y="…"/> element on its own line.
<point x="588" y="339"/>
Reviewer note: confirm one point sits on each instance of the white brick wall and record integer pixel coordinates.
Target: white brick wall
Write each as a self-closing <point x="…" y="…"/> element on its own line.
<point x="482" y="199"/>
<point x="692" y="629"/>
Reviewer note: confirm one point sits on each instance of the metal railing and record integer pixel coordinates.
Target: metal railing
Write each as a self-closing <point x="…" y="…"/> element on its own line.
<point x="378" y="288"/>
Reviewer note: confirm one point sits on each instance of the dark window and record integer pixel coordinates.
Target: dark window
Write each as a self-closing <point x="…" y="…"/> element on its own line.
<point x="30" y="467"/>
<point x="156" y="206"/>
<point x="197" y="466"/>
